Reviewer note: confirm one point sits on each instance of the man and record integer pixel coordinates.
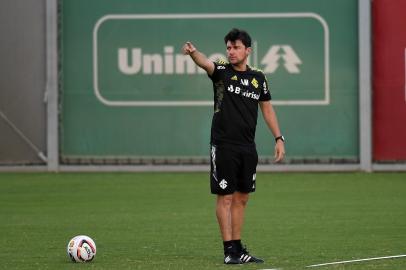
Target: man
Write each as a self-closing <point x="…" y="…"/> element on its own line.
<point x="238" y="89"/>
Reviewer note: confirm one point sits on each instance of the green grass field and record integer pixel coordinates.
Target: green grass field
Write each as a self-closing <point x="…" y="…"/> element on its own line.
<point x="167" y="221"/>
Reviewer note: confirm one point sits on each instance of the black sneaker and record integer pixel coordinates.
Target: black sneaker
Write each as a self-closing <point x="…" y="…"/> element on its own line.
<point x="245" y="257"/>
<point x="232" y="258"/>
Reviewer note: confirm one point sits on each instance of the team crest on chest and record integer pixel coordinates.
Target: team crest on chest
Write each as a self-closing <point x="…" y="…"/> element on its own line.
<point x="254" y="82"/>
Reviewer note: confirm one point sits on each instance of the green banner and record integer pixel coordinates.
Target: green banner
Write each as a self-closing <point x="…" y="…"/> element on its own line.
<point x="129" y="92"/>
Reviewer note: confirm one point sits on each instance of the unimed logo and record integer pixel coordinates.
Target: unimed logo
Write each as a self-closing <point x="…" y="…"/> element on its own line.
<point x="133" y="61"/>
<point x="133" y="67"/>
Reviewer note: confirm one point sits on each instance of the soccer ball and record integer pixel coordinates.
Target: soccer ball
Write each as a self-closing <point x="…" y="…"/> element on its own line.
<point x="81" y="248"/>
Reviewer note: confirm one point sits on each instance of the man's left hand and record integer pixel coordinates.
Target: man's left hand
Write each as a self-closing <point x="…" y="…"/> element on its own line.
<point x="279" y="151"/>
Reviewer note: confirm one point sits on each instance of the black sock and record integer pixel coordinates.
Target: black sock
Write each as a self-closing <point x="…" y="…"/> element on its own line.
<point x="228" y="246"/>
<point x="237" y="245"/>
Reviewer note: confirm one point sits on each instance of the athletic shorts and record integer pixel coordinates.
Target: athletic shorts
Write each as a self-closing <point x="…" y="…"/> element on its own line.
<point x="233" y="168"/>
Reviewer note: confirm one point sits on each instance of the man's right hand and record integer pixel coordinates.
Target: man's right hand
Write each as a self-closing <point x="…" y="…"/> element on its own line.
<point x="199" y="58"/>
<point x="188" y="48"/>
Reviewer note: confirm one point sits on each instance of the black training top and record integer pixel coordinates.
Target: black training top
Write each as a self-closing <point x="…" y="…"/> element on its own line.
<point x="236" y="97"/>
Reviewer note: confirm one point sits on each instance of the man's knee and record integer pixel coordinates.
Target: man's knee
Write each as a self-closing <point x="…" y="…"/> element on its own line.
<point x="240" y="198"/>
<point x="224" y="201"/>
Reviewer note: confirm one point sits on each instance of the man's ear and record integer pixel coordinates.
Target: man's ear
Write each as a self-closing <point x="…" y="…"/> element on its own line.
<point x="249" y="50"/>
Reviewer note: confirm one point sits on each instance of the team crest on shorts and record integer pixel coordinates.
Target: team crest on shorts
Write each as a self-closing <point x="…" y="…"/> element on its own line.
<point x="223" y="184"/>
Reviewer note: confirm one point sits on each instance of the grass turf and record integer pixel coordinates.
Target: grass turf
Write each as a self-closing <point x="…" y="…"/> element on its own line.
<point x="166" y="220"/>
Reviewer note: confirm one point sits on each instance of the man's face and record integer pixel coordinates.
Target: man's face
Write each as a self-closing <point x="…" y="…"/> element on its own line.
<point x="237" y="52"/>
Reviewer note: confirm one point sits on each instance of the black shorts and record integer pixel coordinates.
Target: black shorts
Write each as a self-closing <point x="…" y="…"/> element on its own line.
<point x="233" y="168"/>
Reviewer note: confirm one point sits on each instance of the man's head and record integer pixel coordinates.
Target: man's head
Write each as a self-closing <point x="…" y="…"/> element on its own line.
<point x="238" y="34"/>
<point x="238" y="44"/>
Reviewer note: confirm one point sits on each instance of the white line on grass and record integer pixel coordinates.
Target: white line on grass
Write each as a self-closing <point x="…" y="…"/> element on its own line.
<point x="358" y="260"/>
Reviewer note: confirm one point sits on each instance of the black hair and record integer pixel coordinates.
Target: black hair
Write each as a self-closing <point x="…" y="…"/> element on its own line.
<point x="238" y="34"/>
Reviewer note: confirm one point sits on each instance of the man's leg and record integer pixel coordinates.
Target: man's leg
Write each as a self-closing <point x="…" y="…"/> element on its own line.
<point x="238" y="206"/>
<point x="223" y="213"/>
<point x="224" y="218"/>
<point x="230" y="214"/>
<point x="239" y="202"/>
